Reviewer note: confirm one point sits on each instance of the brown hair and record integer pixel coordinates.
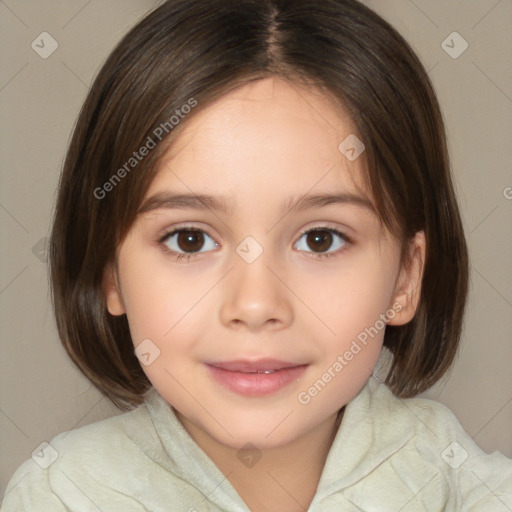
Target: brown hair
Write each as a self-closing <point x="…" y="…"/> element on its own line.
<point x="194" y="51"/>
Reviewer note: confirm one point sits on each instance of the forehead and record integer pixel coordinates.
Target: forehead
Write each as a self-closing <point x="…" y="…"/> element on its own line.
<point x="267" y="136"/>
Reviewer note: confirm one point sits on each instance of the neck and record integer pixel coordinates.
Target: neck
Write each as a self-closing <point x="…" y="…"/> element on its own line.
<point x="288" y="474"/>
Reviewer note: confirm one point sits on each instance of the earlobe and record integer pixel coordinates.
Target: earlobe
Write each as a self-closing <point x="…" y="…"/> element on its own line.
<point x="408" y="287"/>
<point x="111" y="291"/>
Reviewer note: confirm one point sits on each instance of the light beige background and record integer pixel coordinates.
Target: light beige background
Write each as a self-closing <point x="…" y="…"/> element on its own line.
<point x="42" y="394"/>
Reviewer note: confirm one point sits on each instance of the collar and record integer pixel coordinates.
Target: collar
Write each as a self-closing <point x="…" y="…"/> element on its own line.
<point x="369" y="434"/>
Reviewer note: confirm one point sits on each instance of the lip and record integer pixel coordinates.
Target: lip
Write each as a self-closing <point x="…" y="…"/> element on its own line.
<point x="247" y="366"/>
<point x="247" y="377"/>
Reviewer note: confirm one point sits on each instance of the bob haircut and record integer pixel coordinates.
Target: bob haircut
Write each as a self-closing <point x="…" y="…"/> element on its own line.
<point x="188" y="51"/>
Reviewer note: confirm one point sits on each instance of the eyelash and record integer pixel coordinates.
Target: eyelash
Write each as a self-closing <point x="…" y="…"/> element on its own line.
<point x="187" y="256"/>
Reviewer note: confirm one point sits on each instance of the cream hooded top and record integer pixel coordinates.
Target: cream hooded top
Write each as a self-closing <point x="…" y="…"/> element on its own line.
<point x="389" y="454"/>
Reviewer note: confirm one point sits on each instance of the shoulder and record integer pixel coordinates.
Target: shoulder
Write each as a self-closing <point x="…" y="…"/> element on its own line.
<point x="476" y="480"/>
<point x="59" y="474"/>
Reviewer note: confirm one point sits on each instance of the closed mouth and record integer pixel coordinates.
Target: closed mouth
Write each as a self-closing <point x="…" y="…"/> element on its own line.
<point x="266" y="366"/>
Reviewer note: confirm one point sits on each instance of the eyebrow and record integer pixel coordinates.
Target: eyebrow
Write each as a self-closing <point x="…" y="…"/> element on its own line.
<point x="226" y="205"/>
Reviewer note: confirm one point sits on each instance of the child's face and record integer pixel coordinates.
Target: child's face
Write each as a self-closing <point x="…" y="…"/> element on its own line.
<point x="260" y="146"/>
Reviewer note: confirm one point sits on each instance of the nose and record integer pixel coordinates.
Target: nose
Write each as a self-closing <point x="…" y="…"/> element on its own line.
<point x="254" y="297"/>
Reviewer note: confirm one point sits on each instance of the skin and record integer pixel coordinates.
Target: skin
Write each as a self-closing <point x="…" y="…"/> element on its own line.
<point x="260" y="145"/>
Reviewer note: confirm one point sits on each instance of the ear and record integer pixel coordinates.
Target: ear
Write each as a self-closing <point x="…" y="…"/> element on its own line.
<point x="408" y="284"/>
<point x="112" y="291"/>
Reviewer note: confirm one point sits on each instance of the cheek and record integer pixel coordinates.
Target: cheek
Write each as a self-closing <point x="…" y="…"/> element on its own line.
<point x="159" y="300"/>
<point x="163" y="317"/>
<point x="351" y="306"/>
<point x="350" y="302"/>
<point x="351" y="297"/>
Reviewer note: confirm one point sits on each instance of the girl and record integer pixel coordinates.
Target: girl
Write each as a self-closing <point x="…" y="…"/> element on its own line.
<point x="257" y="248"/>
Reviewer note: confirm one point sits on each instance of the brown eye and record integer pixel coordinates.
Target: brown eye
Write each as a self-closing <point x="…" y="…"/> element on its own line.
<point x="319" y="240"/>
<point x="322" y="241"/>
<point x="188" y="241"/>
